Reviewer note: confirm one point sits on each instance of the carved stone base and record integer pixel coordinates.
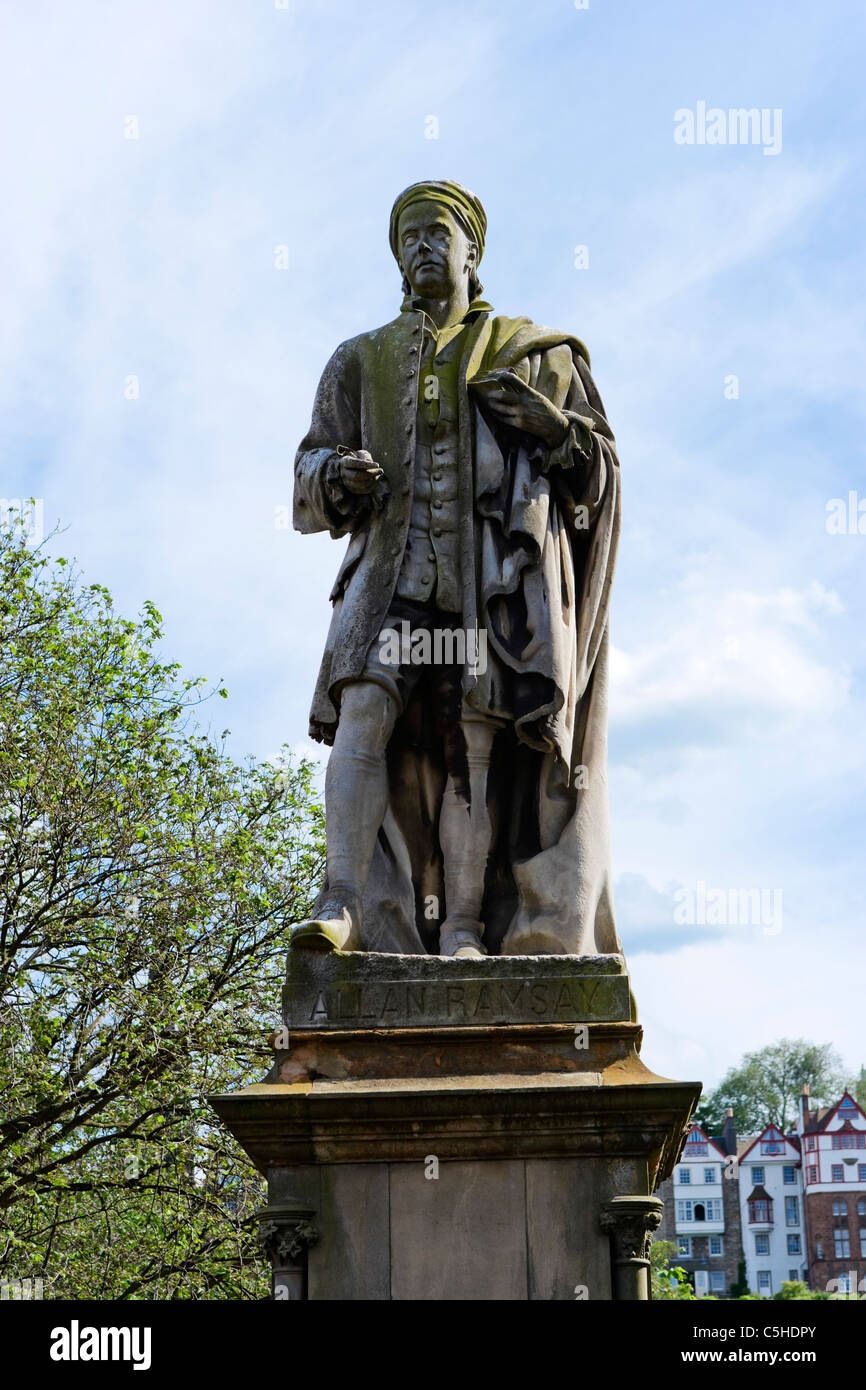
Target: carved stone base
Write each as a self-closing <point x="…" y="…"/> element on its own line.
<point x="440" y="1151"/>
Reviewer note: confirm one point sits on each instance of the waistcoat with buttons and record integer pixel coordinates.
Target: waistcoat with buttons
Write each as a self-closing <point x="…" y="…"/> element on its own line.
<point x="368" y="398"/>
<point x="431" y="563"/>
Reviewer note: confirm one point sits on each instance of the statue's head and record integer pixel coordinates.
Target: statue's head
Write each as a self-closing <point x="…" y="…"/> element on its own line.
<point x="437" y="236"/>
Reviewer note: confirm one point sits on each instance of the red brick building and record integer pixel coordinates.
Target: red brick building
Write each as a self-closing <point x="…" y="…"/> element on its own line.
<point x="833" y="1148"/>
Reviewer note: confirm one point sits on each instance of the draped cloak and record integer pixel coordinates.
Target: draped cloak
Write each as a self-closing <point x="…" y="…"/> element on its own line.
<point x="539" y="533"/>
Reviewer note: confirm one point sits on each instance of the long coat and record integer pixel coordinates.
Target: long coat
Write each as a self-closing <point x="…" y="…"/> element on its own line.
<point x="539" y="532"/>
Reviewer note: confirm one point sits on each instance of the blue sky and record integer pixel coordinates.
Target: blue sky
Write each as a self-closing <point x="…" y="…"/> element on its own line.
<point x="737" y="722"/>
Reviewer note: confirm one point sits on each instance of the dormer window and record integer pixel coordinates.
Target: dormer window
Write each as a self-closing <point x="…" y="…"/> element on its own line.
<point x="760" y="1206"/>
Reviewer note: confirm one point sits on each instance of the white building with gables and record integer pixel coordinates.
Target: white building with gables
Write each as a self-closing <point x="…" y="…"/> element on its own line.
<point x="771" y="1211"/>
<point x="702" y="1202"/>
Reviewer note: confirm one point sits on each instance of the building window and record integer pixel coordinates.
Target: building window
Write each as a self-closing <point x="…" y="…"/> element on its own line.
<point x="772" y="1146"/>
<point x="684" y="1175"/>
<point x="844" y="1284"/>
<point x="819" y="1250"/>
<point x="789" y="1175"/>
<point x="758" y="1177"/>
<point x="716" y="1247"/>
<point x="863" y="1242"/>
<point x="762" y="1245"/>
<point x="837" y="1172"/>
<point x="861" y="1208"/>
<point x="793" y="1276"/>
<point x="810" y="1141"/>
<point x="717" y="1281"/>
<point x="793" y="1245"/>
<point x="684" y="1211"/>
<point x="714" y="1209"/>
<point x="849" y="1141"/>
<point x="684" y="1246"/>
<point x="846" y="1141"/>
<point x="812" y="1173"/>
<point x="695" y="1149"/>
<point x="861" y="1172"/>
<point x="765" y="1282"/>
<point x="841" y="1237"/>
<point x="792" y="1212"/>
<point x="759" y="1211"/>
<point x="710" y="1175"/>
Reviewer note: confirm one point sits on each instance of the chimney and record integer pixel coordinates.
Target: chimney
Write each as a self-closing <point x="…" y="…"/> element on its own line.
<point x="804" y="1105"/>
<point x="729" y="1132"/>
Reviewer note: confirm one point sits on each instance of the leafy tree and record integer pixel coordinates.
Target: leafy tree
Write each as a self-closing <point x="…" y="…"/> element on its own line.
<point x="147" y="883"/>
<point x="668" y="1281"/>
<point x="765" y="1087"/>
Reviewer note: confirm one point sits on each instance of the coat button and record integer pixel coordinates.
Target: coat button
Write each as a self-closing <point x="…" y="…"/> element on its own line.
<point x="409" y="429"/>
<point x="437" y="530"/>
<point x="406" y="491"/>
<point x="437" y="477"/>
<point x="437" y="506"/>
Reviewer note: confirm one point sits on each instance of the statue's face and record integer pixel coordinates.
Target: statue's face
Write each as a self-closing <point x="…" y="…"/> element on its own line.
<point x="435" y="252"/>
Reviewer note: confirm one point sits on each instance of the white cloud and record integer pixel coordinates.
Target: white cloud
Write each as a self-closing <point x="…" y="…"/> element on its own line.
<point x="703" y="1007"/>
<point x="762" y="653"/>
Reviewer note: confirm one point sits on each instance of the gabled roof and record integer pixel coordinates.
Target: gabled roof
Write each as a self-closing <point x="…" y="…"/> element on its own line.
<point x="759" y="1194"/>
<point x="774" y="1135"/>
<point x="820" y="1119"/>
<point x="697" y="1135"/>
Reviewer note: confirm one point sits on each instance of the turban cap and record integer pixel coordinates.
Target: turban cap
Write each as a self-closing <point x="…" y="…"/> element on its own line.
<point x="452" y="195"/>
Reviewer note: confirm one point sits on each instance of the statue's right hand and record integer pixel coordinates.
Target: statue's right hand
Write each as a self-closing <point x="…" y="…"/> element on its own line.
<point x="358" y="470"/>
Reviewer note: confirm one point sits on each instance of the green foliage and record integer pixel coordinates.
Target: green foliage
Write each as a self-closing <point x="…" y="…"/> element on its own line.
<point x="796" y="1289"/>
<point x="765" y="1087"/>
<point x="668" y="1281"/>
<point x="740" y="1289"/>
<point x="147" y="884"/>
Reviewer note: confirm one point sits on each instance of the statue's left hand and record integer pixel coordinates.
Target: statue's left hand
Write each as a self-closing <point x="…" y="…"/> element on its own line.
<point x="521" y="406"/>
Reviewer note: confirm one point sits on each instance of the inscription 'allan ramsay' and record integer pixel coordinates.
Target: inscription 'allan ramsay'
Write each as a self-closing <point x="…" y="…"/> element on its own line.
<point x="467" y="999"/>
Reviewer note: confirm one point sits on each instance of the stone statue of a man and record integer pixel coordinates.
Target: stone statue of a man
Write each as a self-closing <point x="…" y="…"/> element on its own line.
<point x="468" y="458"/>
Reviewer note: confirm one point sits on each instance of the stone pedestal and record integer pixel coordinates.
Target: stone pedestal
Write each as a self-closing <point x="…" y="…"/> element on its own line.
<point x="459" y="1129"/>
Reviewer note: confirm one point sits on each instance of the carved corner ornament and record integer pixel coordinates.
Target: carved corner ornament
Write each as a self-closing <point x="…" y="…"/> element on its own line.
<point x="630" y="1223"/>
<point x="286" y="1234"/>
